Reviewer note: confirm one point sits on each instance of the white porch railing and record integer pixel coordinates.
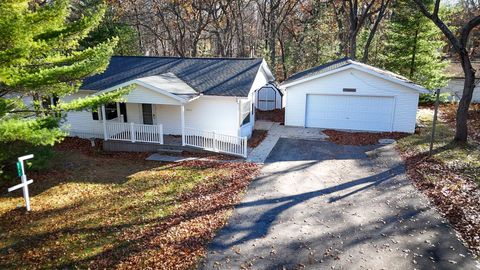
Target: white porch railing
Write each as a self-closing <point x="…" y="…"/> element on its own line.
<point x="215" y="142"/>
<point x="132" y="132"/>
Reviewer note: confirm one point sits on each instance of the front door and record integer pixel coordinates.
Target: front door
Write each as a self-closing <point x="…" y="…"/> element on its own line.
<point x="147" y="113"/>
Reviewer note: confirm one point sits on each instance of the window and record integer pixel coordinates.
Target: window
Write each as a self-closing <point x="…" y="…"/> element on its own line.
<point x="111" y="111"/>
<point x="349" y="90"/>
<point x="246" y="120"/>
<point x="96" y="114"/>
<point x="245" y="111"/>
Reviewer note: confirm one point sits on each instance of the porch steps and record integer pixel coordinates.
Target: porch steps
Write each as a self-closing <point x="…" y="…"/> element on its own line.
<point x="169" y="151"/>
<point x="177" y="149"/>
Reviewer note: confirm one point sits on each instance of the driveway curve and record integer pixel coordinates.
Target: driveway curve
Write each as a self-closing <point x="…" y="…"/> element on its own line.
<point x="318" y="205"/>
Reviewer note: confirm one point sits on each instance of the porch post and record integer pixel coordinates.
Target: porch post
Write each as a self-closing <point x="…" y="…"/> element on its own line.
<point x="182" y="115"/>
<point x="104" y="121"/>
<point x="118" y="112"/>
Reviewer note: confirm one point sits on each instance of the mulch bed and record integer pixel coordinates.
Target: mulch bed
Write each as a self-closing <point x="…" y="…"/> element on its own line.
<point x="277" y="115"/>
<point x="456" y="198"/>
<point x="257" y="137"/>
<point x="360" y="138"/>
<point x="85" y="147"/>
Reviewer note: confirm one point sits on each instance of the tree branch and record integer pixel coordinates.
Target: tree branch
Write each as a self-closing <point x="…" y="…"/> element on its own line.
<point x="467" y="28"/>
<point x="441" y="25"/>
<point x="436" y="8"/>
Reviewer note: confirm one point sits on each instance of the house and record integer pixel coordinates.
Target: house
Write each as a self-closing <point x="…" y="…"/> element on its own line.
<point x="205" y="101"/>
<point x="269" y="97"/>
<point x="348" y="95"/>
<point x="456" y="80"/>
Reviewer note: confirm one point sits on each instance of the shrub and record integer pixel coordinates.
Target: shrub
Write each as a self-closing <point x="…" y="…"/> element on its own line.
<point x="9" y="152"/>
<point x="429" y="99"/>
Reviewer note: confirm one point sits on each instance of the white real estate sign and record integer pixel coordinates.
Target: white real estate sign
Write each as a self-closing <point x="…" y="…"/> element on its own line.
<point x="23" y="177"/>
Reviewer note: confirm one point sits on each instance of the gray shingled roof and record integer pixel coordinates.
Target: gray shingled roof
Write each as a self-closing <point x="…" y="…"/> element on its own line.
<point x="209" y="76"/>
<point x="341" y="63"/>
<point x="317" y="70"/>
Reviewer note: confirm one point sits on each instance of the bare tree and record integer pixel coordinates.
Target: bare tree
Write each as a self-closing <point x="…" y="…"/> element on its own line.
<point x="381" y="13"/>
<point x="353" y="14"/>
<point x="459" y="44"/>
<point x="274" y="13"/>
<point x="357" y="15"/>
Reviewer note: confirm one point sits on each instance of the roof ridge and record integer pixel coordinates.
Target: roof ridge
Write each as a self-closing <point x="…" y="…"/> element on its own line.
<point x="320" y="67"/>
<point x="180" y="57"/>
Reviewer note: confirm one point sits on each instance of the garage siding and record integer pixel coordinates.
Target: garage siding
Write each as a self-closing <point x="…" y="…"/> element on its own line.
<point x="406" y="99"/>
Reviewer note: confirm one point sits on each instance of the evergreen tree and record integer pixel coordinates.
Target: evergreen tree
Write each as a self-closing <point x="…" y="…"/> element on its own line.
<point x="41" y="58"/>
<point x="111" y="26"/>
<point x="414" y="47"/>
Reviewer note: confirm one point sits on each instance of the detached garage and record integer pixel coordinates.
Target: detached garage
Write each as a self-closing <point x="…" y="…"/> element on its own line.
<point x="349" y="95"/>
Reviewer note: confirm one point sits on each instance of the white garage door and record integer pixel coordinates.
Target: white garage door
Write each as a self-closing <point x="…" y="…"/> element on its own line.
<point x="349" y="112"/>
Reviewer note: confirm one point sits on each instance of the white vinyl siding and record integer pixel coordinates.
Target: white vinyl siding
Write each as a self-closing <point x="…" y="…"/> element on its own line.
<point x="170" y="118"/>
<point x="144" y="95"/>
<point x="406" y="99"/>
<point x="82" y="122"/>
<point x="212" y="113"/>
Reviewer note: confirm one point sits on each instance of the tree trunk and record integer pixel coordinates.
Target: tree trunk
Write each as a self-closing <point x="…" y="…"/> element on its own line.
<point x="282" y="52"/>
<point x="414" y="52"/>
<point x="461" y="132"/>
<point x="353" y="45"/>
<point x="271" y="37"/>
<point x="373" y="31"/>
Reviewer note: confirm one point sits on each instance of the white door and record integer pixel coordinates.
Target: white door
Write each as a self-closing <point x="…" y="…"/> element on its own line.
<point x="350" y="112"/>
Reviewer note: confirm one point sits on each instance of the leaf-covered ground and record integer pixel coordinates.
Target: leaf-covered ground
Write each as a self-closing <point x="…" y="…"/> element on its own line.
<point x="257" y="138"/>
<point x="450" y="178"/>
<point x="96" y="211"/>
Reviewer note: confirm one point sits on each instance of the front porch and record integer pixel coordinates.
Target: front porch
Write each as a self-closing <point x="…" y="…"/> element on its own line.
<point x="146" y="127"/>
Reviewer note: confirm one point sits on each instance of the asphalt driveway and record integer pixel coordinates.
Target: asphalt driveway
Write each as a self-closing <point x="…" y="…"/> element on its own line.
<point x="321" y="205"/>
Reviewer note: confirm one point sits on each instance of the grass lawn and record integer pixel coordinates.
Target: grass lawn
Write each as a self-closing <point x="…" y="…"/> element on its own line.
<point x="450" y="178"/>
<point x="97" y="211"/>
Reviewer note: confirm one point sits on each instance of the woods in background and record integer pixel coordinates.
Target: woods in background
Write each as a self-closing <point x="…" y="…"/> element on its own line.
<point x="290" y="34"/>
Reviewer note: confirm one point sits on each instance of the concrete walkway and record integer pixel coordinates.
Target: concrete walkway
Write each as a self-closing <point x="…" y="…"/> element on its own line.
<point x="318" y="205"/>
<point x="277" y="131"/>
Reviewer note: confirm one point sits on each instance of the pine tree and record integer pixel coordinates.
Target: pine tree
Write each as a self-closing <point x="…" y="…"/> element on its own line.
<point x="41" y="57"/>
<point x="414" y="47"/>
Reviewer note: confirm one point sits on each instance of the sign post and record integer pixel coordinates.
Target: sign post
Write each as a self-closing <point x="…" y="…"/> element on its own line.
<point x="23" y="177"/>
<point x="434" y="123"/>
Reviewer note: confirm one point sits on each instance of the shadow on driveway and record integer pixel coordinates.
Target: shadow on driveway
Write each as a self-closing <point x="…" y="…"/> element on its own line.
<point x="321" y="205"/>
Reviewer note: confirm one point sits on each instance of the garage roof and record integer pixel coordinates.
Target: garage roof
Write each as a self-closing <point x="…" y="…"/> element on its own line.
<point x="344" y="63"/>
